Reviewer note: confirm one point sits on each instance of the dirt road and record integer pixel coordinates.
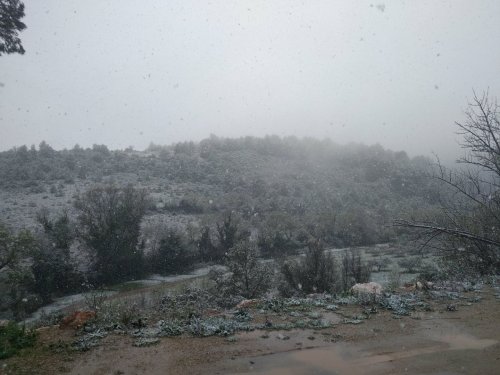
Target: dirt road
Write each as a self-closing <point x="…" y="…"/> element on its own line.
<point x="466" y="341"/>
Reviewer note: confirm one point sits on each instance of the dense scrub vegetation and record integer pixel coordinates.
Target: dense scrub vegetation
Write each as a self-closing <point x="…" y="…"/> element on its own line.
<point x="14" y="338"/>
<point x="316" y="273"/>
<point x="344" y="194"/>
<point x="235" y="200"/>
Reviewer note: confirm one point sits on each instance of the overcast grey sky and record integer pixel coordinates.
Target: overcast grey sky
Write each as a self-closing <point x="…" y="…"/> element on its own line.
<point x="128" y="72"/>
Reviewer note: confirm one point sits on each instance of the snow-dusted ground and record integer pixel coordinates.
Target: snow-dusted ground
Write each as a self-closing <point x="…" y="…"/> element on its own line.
<point x="65" y="302"/>
<point x="158" y="279"/>
<point x="60" y="304"/>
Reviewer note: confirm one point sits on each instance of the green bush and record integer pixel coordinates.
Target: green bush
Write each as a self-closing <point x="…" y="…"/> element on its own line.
<point x="173" y="255"/>
<point x="430" y="272"/>
<point x="250" y="277"/>
<point x="394" y="277"/>
<point x="411" y="264"/>
<point x="315" y="273"/>
<point x="353" y="270"/>
<point x="109" y="224"/>
<point x="14" y="338"/>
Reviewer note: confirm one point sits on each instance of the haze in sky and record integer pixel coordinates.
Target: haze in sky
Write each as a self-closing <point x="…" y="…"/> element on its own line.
<point x="128" y="72"/>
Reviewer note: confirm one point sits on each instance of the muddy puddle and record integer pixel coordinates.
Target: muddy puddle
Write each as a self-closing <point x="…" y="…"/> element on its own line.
<point x="345" y="358"/>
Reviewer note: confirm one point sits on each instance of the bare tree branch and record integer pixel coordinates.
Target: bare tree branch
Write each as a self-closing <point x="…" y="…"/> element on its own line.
<point x="468" y="224"/>
<point x="437" y="230"/>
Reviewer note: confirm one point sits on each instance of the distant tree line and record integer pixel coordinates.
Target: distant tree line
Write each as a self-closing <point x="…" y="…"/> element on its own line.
<point x="261" y="198"/>
<point x="346" y="195"/>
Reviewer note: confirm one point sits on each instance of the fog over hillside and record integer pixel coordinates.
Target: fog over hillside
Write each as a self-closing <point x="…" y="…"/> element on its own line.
<point x="249" y="186"/>
<point x="397" y="73"/>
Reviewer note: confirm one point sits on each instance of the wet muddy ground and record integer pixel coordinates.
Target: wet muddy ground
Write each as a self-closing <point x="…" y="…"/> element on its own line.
<point x="466" y="341"/>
